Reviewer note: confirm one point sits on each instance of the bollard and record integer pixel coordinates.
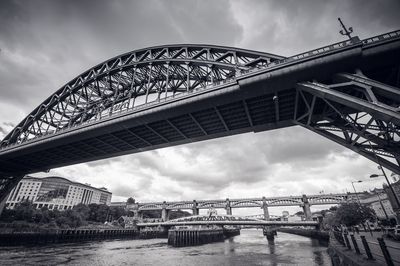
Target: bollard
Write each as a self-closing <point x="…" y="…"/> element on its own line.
<point x="385" y="252"/>
<point x="366" y="247"/>
<point x="347" y="241"/>
<point x="353" y="239"/>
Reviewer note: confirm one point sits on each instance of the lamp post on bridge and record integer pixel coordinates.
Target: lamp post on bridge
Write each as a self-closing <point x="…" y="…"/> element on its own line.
<point x="346" y="31"/>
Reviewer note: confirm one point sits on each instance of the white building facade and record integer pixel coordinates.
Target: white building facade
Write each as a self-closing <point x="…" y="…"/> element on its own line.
<point x="56" y="193"/>
<point x="379" y="202"/>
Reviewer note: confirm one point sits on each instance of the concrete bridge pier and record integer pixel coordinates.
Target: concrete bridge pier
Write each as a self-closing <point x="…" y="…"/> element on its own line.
<point x="265" y="209"/>
<point x="228" y="207"/>
<point x="194" y="208"/>
<point x="164" y="214"/>
<point x="306" y="208"/>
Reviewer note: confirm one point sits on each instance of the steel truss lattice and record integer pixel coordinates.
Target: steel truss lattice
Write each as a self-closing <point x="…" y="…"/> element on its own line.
<point x="134" y="79"/>
<point x="356" y="112"/>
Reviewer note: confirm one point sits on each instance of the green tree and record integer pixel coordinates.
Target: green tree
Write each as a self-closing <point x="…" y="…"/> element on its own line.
<point x="117" y="212"/>
<point x="83" y="210"/>
<point x="130" y="201"/>
<point x="98" y="212"/>
<point x="351" y="214"/>
<point x="24" y="211"/>
<point x="71" y="218"/>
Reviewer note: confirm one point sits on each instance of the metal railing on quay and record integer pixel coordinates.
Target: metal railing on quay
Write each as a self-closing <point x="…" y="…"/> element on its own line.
<point x="377" y="250"/>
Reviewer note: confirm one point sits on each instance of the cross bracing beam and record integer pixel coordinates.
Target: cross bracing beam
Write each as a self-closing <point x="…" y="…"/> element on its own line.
<point x="363" y="115"/>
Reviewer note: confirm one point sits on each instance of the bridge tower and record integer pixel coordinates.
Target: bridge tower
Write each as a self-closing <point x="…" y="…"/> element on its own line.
<point x="228" y="207"/>
<point x="195" y="209"/>
<point x="306" y="208"/>
<point x="265" y="209"/>
<point x="164" y="212"/>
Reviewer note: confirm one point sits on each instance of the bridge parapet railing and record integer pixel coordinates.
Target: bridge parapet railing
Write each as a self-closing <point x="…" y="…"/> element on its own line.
<point x="383" y="37"/>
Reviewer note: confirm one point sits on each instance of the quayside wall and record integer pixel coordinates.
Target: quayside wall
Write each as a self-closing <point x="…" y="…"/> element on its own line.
<point x="64" y="235"/>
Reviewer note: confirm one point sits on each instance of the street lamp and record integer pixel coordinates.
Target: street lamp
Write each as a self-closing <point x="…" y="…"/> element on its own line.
<point x="352" y="183"/>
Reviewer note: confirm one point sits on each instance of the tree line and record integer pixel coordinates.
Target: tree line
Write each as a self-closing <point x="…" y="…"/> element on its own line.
<point x="79" y="215"/>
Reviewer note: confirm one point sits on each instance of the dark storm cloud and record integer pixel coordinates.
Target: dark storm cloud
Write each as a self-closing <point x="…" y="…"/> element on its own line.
<point x="289" y="27"/>
<point x="47" y="43"/>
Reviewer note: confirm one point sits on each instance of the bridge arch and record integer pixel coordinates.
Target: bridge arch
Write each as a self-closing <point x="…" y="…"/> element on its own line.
<point x="216" y="204"/>
<point x="150" y="207"/>
<point x="249" y="203"/>
<point x="277" y="202"/>
<point x="183" y="205"/>
<point x="134" y="79"/>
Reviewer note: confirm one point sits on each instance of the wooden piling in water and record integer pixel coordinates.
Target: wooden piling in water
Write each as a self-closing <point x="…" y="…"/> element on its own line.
<point x="194" y="236"/>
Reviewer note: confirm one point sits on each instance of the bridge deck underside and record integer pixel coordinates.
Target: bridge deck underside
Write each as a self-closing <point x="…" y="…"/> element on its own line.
<point x="227" y="119"/>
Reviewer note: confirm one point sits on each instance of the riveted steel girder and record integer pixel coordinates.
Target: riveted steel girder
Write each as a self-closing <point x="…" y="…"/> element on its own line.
<point x="356" y="112"/>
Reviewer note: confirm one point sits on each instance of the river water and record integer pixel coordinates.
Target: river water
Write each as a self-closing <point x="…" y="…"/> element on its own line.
<point x="250" y="248"/>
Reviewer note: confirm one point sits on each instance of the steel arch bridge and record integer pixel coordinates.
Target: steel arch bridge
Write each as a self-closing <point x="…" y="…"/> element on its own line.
<point x="169" y="95"/>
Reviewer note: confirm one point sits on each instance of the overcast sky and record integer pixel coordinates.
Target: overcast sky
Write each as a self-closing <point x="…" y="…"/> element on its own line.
<point x="44" y="44"/>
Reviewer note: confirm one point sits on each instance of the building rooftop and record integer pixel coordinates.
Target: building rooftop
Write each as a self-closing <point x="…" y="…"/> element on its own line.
<point x="64" y="180"/>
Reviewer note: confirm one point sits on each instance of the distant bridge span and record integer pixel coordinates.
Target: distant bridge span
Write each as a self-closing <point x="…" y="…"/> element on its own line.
<point x="175" y="94"/>
<point x="304" y="201"/>
<point x="225" y="220"/>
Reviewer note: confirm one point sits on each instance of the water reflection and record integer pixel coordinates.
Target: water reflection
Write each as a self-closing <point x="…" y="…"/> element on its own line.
<point x="250" y="248"/>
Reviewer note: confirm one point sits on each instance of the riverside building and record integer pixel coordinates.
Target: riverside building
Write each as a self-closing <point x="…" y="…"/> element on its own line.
<point x="56" y="193"/>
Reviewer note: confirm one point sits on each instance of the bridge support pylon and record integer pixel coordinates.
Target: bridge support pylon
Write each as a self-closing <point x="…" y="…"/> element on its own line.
<point x="307" y="209"/>
<point x="164" y="213"/>
<point x="194" y="208"/>
<point x="265" y="209"/>
<point x="228" y="207"/>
